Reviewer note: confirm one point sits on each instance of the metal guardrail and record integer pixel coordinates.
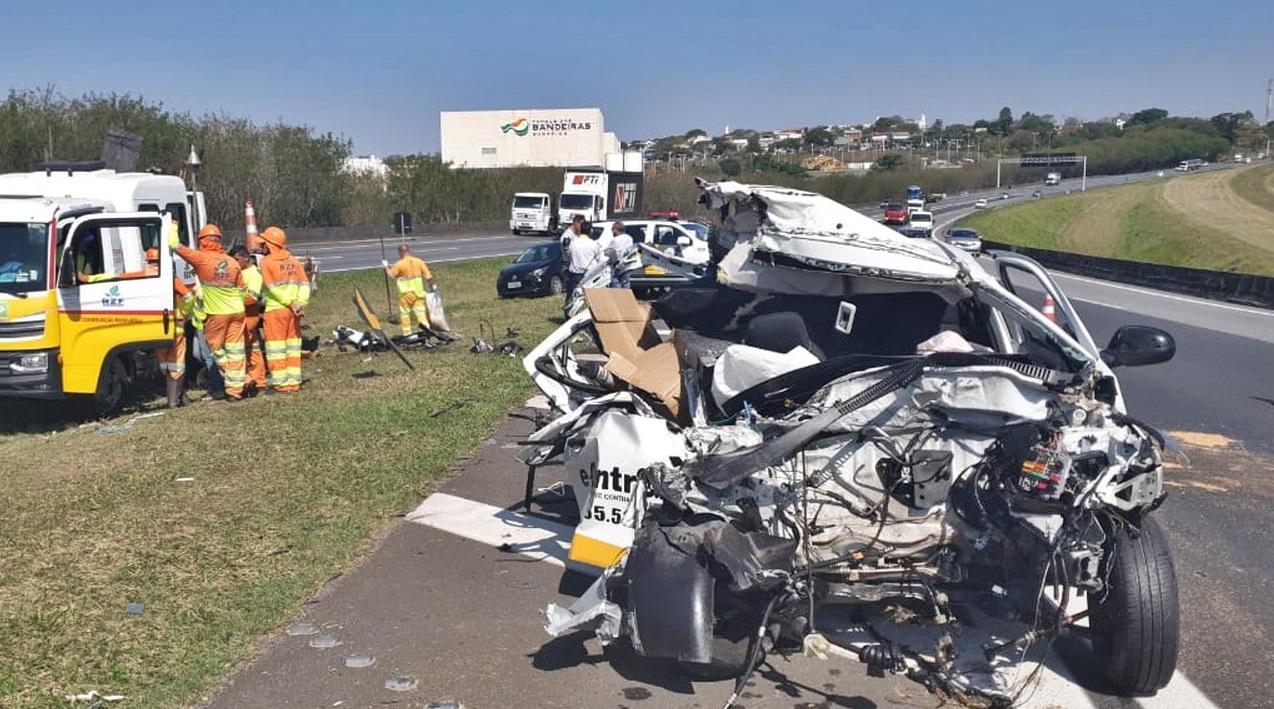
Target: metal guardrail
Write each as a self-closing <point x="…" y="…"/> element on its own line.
<point x="1243" y="288"/>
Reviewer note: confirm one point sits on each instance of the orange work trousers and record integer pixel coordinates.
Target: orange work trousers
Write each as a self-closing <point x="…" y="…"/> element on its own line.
<point x="252" y="343"/>
<point x="283" y="349"/>
<point x="224" y="334"/>
<point x="172" y="360"/>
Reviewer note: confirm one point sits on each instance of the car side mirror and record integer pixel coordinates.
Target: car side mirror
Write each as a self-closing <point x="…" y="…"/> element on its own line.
<point x="1139" y="345"/>
<point x="683" y="240"/>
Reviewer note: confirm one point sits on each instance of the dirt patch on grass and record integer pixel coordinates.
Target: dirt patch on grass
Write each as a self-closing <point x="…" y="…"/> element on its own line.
<point x="1096" y="228"/>
<point x="1209" y="199"/>
<point x="1256" y="185"/>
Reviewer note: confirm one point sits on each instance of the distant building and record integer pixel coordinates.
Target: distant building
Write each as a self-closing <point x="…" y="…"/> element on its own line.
<point x="561" y="137"/>
<point x="365" y="164"/>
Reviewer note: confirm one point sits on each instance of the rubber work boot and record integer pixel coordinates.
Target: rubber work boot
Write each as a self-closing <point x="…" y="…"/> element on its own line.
<point x="175" y="398"/>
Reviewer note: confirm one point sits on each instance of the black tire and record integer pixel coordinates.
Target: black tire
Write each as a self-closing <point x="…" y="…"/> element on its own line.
<point x="517" y="233"/>
<point x="110" y="395"/>
<point x="1136" y="628"/>
<point x="556" y="286"/>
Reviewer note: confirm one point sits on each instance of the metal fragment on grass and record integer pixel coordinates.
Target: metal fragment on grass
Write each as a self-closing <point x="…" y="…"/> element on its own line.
<point x="302" y="627"/>
<point x="134" y="608"/>
<point x="402" y="684"/>
<point x="360" y="660"/>
<point x="322" y="642"/>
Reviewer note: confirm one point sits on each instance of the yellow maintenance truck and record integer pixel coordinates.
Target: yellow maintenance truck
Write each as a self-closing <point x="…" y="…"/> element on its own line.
<point x="82" y="308"/>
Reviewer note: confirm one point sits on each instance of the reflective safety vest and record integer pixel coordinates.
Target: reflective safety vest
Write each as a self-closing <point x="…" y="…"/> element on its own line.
<point x="253" y="287"/>
<point x="284" y="282"/>
<point x="220" y="280"/>
<point x="411" y="273"/>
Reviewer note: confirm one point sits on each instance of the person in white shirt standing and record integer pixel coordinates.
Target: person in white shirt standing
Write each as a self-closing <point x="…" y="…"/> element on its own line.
<point x="583" y="251"/>
<point x="617" y="251"/>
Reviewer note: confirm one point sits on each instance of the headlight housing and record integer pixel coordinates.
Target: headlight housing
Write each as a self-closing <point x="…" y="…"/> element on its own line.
<point x="37" y="363"/>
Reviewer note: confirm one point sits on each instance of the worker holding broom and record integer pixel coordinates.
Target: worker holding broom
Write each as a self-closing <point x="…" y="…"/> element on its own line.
<point x="411" y="274"/>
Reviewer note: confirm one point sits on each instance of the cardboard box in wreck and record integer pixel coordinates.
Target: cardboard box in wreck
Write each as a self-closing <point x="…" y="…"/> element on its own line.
<point x="634" y="350"/>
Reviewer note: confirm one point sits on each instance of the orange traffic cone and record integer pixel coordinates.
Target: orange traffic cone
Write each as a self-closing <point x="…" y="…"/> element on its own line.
<point x="1050" y="308"/>
<point x="250" y="238"/>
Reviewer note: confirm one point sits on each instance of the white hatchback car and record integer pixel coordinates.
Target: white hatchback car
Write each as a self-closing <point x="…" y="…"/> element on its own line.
<point x="980" y="204"/>
<point x="683" y="239"/>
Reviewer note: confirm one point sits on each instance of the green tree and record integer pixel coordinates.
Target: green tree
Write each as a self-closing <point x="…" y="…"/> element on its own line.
<point x="1004" y="124"/>
<point x="731" y="167"/>
<point x="819" y="137"/>
<point x="888" y="161"/>
<point x="1146" y="116"/>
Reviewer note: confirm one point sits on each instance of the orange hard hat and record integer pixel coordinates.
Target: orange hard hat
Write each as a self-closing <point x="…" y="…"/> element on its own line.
<point x="152" y="254"/>
<point x="210" y="231"/>
<point x="275" y="237"/>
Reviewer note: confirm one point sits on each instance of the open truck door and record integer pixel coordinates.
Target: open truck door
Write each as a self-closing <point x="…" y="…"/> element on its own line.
<point x="113" y="304"/>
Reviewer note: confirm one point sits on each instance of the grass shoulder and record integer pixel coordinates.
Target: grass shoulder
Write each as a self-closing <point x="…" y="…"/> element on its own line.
<point x="286" y="491"/>
<point x="1138" y="223"/>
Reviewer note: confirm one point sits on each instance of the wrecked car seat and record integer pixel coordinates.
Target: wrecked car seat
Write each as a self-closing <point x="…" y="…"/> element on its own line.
<point x="780" y="332"/>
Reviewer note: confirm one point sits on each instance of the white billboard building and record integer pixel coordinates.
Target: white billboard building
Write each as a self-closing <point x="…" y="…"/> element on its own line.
<point x="567" y="137"/>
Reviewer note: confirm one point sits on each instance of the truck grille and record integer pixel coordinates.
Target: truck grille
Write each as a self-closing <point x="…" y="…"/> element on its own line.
<point x="25" y="328"/>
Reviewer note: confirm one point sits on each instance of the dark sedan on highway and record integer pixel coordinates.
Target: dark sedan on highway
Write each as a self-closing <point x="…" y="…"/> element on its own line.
<point x="537" y="271"/>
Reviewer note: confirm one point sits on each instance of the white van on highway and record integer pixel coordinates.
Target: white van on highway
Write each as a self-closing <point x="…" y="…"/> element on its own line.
<point x="921" y="220"/>
<point x="532" y="212"/>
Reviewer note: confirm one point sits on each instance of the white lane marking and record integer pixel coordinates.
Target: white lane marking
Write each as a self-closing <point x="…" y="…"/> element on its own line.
<point x="1180" y="692"/>
<point x="394" y="241"/>
<point x="539" y="401"/>
<point x="432" y="261"/>
<point x="1161" y="294"/>
<point x="540" y="539"/>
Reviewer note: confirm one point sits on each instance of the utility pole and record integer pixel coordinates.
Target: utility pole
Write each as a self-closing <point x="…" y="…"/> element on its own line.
<point x="1269" y="91"/>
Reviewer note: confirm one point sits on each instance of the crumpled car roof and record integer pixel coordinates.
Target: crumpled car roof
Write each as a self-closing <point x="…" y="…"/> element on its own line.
<point x="806" y="230"/>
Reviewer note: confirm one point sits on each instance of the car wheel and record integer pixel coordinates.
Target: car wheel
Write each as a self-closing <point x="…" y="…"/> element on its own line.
<point x="1136" y="627"/>
<point x="107" y="400"/>
<point x="556" y="286"/>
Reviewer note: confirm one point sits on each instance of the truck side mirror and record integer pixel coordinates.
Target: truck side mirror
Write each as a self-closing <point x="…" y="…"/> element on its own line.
<point x="684" y="240"/>
<point x="1139" y="345"/>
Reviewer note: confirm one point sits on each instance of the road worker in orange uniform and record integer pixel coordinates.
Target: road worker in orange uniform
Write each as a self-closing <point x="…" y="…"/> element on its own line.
<point x="410" y="273"/>
<point x="252" y="296"/>
<point x="221" y="289"/>
<point x="172" y="360"/>
<point x="286" y="292"/>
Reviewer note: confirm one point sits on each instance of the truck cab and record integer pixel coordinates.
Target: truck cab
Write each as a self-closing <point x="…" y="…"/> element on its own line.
<point x="82" y="309"/>
<point x="583" y="193"/>
<point x="532" y="212"/>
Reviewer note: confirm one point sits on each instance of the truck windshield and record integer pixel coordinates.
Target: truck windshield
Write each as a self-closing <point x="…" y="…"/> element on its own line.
<point x="24" y="257"/>
<point x="525" y="202"/>
<point x="577" y="201"/>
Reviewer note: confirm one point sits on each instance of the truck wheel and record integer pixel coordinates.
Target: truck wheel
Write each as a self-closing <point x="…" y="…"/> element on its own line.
<point x="517" y="232"/>
<point x="1136" y="628"/>
<point x="556" y="286"/>
<point x="110" y="394"/>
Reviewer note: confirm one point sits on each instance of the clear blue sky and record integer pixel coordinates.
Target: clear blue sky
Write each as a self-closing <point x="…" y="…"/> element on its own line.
<point x="379" y="72"/>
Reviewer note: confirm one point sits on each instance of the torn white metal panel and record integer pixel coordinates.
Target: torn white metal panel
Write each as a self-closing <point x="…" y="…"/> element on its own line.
<point x="591" y="609"/>
<point x="602" y="468"/>
<point x="807" y="231"/>
<point x="982" y="397"/>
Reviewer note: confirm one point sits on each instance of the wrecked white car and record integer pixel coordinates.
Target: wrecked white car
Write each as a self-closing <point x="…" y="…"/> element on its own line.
<point x="842" y="415"/>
